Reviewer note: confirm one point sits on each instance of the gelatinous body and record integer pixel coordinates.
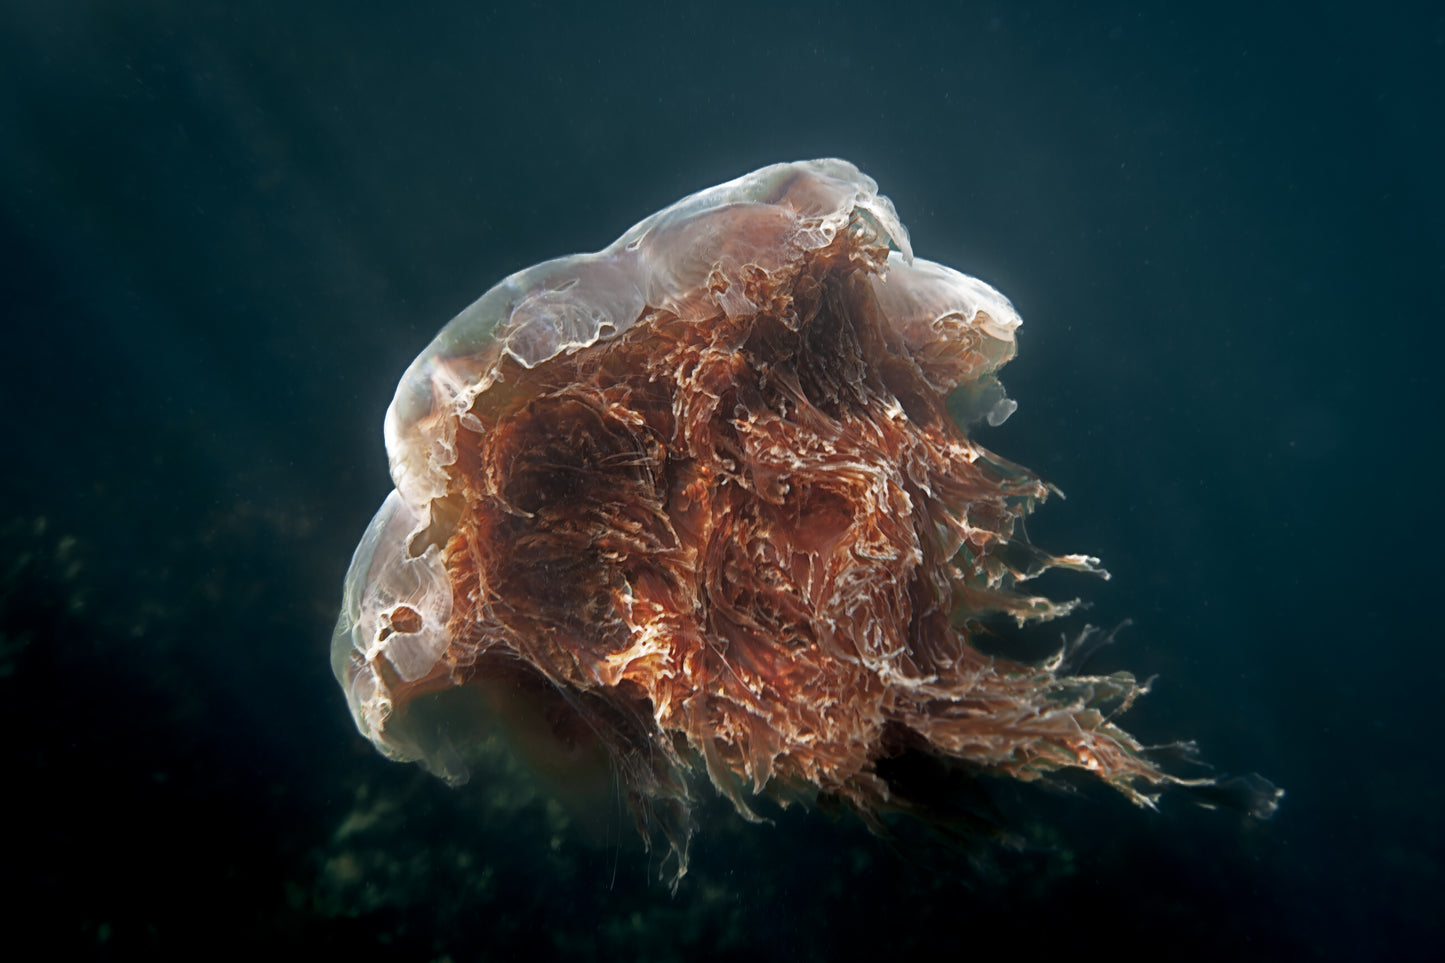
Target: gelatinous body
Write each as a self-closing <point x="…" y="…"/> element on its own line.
<point x="704" y="494"/>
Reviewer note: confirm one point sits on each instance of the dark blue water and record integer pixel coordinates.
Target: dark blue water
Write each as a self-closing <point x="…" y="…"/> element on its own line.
<point x="226" y="230"/>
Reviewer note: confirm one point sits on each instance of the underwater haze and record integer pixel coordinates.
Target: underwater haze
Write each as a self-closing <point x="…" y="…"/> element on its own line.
<point x="228" y="229"/>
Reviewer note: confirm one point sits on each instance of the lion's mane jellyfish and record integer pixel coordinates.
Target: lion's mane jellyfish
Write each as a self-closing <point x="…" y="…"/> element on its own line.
<point x="708" y="496"/>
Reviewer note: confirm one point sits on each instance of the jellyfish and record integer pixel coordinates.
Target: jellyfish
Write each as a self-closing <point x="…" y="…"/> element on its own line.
<point x="709" y="497"/>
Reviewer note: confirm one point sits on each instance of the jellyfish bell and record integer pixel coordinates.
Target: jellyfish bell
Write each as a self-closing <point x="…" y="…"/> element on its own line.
<point x="705" y="501"/>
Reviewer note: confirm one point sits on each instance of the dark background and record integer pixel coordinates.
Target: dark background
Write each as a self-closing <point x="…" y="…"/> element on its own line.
<point x="227" y="228"/>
